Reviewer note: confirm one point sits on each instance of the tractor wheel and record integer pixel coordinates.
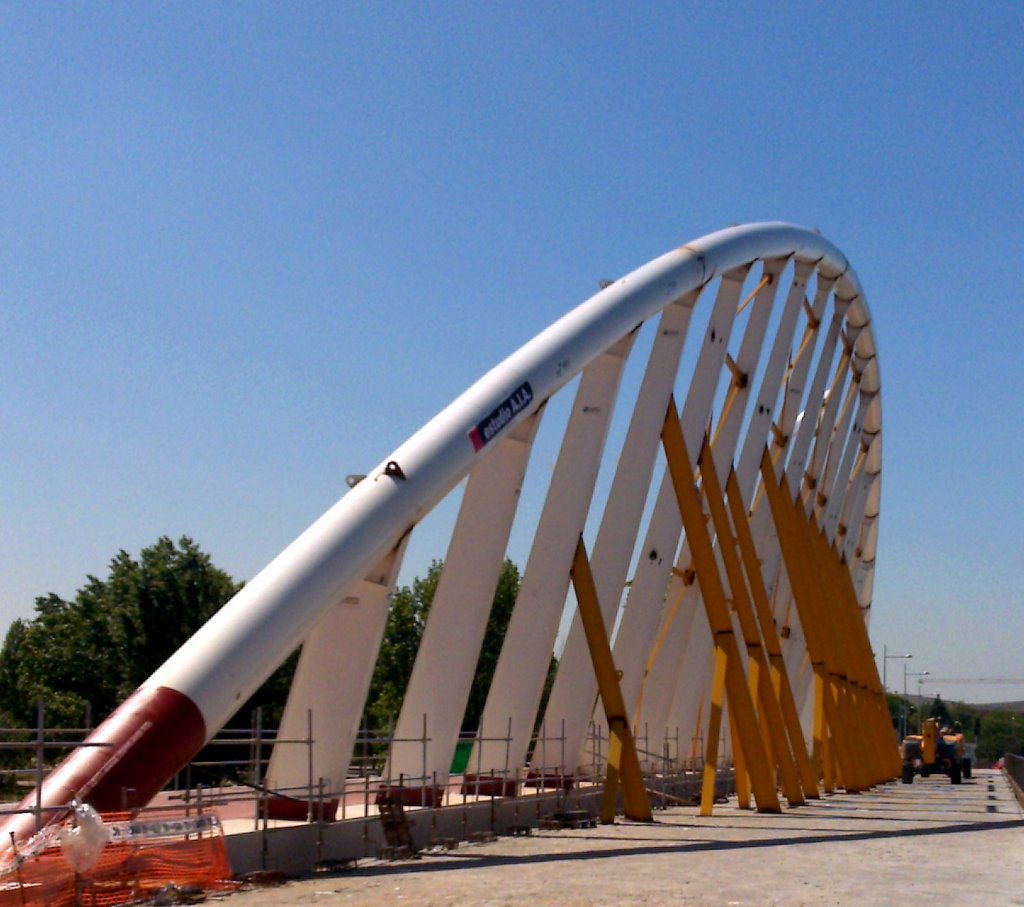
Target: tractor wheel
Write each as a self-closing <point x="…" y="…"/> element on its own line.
<point x="954" y="773"/>
<point x="908" y="773"/>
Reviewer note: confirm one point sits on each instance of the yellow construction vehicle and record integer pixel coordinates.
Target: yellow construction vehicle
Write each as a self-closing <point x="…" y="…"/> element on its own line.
<point x="936" y="749"/>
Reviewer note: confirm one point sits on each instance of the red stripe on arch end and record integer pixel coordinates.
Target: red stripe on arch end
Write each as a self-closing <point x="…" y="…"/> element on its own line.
<point x="154" y="733"/>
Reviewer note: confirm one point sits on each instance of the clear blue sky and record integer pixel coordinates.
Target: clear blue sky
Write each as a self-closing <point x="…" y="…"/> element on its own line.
<point x="246" y="249"/>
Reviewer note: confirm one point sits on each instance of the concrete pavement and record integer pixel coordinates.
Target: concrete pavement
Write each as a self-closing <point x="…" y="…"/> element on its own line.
<point x="923" y="844"/>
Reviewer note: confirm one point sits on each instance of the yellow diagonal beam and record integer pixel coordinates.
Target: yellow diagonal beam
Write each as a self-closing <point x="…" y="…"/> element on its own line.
<point x="824" y="756"/>
<point x="857" y="770"/>
<point x="828" y="767"/>
<point x="741" y="708"/>
<point x="890" y="753"/>
<point x="739" y="765"/>
<point x="623" y="763"/>
<point x="875" y="708"/>
<point x="848" y="634"/>
<point x="707" y="793"/>
<point x="820" y="645"/>
<point x="860" y="753"/>
<point x="841" y="638"/>
<point x="772" y="645"/>
<point x="776" y="743"/>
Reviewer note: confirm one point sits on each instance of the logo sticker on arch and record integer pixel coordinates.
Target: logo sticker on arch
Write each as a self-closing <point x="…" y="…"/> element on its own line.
<point x="493" y="423"/>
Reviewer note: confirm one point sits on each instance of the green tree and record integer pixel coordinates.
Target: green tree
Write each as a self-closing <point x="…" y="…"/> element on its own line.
<point x="897" y="707"/>
<point x="497" y="625"/>
<point x="159" y="601"/>
<point x="1002" y="732"/>
<point x="407" y="618"/>
<point x="938" y="709"/>
<point x="85" y="655"/>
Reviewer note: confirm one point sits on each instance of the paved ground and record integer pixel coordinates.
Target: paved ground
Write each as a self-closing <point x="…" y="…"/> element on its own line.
<point x="929" y="843"/>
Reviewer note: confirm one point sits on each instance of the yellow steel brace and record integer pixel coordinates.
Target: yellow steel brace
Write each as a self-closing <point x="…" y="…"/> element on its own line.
<point x="741" y="774"/>
<point x="848" y="635"/>
<point x="823" y="760"/>
<point x="828" y="763"/>
<point x="623" y="763"/>
<point x="773" y="648"/>
<point x="707" y="793"/>
<point x="775" y="741"/>
<point x="876" y="711"/>
<point x="741" y="708"/>
<point x="856" y="726"/>
<point x="820" y="644"/>
<point x="890" y="759"/>
<point x="832" y="647"/>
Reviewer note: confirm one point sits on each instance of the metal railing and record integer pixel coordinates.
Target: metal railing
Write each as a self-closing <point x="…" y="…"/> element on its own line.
<point x="236" y="784"/>
<point x="1013" y="767"/>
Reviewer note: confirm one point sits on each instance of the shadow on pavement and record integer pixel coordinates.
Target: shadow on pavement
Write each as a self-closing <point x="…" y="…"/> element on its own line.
<point x="475" y="862"/>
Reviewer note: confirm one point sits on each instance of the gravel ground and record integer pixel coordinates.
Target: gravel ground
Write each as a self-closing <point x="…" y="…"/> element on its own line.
<point x="898" y="844"/>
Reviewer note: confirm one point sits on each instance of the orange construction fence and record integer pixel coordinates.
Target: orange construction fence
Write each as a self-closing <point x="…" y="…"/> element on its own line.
<point x="145" y="854"/>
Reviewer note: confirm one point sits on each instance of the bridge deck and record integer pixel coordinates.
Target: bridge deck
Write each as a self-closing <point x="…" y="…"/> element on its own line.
<point x="897" y="844"/>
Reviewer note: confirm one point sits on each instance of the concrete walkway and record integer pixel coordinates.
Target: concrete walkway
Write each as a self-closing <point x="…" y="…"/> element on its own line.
<point x="927" y="843"/>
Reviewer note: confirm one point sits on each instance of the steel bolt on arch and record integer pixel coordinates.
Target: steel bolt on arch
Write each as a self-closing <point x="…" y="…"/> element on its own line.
<point x="771" y="465"/>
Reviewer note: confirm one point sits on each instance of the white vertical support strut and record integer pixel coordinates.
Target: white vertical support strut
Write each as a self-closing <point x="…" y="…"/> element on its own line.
<point x="575" y="687"/>
<point x="862" y="566"/>
<point x="684" y="672"/>
<point x="765" y="406"/>
<point x="838" y="446"/>
<point x="794" y="645"/>
<point x="747" y="472"/>
<point x="827" y="437"/>
<point x="860" y="520"/>
<point x="799" y="433"/>
<point x="522" y="667"/>
<point x="727" y="433"/>
<point x="693" y="683"/>
<point x="797" y="458"/>
<point x="836" y="487"/>
<point x="331" y="681"/>
<point x="853" y="502"/>
<point x="645" y="601"/>
<point x="866" y="532"/>
<point x="855" y="505"/>
<point x="772" y="384"/>
<point x="442" y="674"/>
<point x="814" y="475"/>
<point x="832" y="440"/>
<point x="801" y="364"/>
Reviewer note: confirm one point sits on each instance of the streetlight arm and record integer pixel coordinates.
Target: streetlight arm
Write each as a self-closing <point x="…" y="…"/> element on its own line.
<point x="886" y="658"/>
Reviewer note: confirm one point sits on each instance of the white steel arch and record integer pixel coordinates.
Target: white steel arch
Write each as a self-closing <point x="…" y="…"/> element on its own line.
<point x="330" y="588"/>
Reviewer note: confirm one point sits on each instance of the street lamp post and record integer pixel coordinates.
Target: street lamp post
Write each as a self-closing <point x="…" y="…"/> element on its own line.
<point x="886" y="657"/>
<point x="905" y="676"/>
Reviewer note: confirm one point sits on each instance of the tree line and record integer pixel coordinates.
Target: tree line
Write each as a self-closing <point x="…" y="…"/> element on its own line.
<point x="81" y="657"/>
<point x="994" y="732"/>
<point x="407" y="618"/>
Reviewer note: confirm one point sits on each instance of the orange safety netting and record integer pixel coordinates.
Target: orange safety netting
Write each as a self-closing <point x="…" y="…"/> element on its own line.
<point x="146" y="853"/>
